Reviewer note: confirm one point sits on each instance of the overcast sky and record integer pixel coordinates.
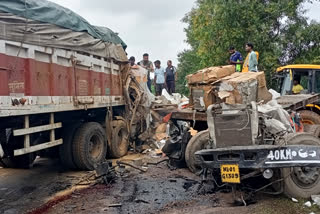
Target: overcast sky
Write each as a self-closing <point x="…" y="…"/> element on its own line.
<point x="148" y="26"/>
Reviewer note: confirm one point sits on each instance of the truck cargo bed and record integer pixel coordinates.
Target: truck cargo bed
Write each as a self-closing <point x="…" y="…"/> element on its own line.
<point x="295" y="102"/>
<point x="36" y="79"/>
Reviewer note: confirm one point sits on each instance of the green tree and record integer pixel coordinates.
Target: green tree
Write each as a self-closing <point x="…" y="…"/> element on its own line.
<point x="279" y="30"/>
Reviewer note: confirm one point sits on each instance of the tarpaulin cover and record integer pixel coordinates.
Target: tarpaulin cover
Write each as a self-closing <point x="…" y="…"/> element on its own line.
<point x="19" y="29"/>
<point x="49" y="12"/>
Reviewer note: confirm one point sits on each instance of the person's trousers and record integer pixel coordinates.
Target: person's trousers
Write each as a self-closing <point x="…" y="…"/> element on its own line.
<point x="171" y="86"/>
<point x="149" y="84"/>
<point x="159" y="88"/>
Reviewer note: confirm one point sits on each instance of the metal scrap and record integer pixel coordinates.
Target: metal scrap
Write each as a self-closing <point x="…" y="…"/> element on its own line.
<point x="119" y="163"/>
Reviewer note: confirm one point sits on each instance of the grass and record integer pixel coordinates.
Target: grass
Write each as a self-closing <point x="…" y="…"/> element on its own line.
<point x="284" y="205"/>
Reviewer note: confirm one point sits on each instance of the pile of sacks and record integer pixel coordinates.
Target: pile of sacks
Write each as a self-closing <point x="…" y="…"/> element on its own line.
<point x="222" y="84"/>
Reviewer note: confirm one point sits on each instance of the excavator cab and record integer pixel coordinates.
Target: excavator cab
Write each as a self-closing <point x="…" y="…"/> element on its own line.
<point x="308" y="76"/>
<point x="306" y="100"/>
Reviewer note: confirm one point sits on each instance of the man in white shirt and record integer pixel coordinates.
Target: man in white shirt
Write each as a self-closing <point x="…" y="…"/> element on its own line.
<point x="159" y="77"/>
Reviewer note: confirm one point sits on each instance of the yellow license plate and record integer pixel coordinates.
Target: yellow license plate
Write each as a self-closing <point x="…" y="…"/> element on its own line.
<point x="230" y="173"/>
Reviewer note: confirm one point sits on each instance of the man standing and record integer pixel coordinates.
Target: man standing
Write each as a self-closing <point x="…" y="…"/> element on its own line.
<point x="251" y="61"/>
<point x="132" y="61"/>
<point x="170" y="77"/>
<point x="145" y="63"/>
<point x="159" y="78"/>
<point x="235" y="58"/>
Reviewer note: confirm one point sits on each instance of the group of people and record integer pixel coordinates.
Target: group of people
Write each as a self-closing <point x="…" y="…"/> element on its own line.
<point x="249" y="64"/>
<point x="164" y="78"/>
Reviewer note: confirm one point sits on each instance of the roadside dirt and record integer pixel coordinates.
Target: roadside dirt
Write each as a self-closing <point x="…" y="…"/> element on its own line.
<point x="47" y="189"/>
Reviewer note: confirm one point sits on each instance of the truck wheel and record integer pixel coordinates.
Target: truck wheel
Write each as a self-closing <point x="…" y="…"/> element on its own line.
<point x="312" y="129"/>
<point x="10" y="161"/>
<point x="301" y="182"/>
<point x="119" y="145"/>
<point x="198" y="142"/>
<point x="89" y="146"/>
<point x="65" y="150"/>
<point x="309" y="117"/>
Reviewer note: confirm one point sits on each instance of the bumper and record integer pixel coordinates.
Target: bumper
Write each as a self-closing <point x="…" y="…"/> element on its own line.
<point x="260" y="157"/>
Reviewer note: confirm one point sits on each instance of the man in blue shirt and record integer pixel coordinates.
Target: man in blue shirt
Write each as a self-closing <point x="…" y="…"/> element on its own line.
<point x="159" y="77"/>
<point x="235" y="58"/>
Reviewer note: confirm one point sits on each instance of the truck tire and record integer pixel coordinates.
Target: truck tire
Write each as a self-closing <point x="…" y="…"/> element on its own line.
<point x="65" y="150"/>
<point x="89" y="146"/>
<point x="119" y="145"/>
<point x="301" y="182"/>
<point x="10" y="161"/>
<point x="312" y="129"/>
<point x="198" y="142"/>
<point x="309" y="117"/>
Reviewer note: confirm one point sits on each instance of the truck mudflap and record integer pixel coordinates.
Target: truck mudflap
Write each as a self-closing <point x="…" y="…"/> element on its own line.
<point x="260" y="156"/>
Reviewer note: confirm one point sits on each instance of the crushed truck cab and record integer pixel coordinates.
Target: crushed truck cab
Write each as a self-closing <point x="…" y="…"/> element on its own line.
<point x="244" y="142"/>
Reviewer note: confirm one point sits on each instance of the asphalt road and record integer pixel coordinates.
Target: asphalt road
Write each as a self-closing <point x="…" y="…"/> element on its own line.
<point x="159" y="190"/>
<point x="24" y="189"/>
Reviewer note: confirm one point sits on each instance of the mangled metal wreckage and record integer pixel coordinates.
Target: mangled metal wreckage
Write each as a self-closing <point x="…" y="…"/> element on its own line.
<point x="66" y="88"/>
<point x="249" y="135"/>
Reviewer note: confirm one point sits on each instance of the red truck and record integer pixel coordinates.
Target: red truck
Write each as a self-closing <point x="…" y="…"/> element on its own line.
<point x="61" y="87"/>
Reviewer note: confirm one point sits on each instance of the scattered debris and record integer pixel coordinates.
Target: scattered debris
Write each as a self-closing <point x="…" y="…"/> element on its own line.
<point x="161" y="132"/>
<point x="316" y="199"/>
<point x="69" y="208"/>
<point x="307" y="204"/>
<point x="175" y="147"/>
<point x="294" y="200"/>
<point x="119" y="163"/>
<point x="114" y="205"/>
<point x="141" y="201"/>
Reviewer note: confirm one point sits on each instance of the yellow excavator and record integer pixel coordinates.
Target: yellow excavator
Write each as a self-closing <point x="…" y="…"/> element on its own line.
<point x="307" y="100"/>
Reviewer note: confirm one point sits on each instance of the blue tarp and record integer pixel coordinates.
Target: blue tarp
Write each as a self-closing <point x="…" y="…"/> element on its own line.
<point x="49" y="12"/>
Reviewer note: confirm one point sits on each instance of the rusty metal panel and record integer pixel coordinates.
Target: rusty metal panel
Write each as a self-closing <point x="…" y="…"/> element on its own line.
<point x="189" y="115"/>
<point x="233" y="129"/>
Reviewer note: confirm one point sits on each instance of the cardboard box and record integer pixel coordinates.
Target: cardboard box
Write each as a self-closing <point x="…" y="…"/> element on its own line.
<point x="237" y="88"/>
<point x="243" y="88"/>
<point x="201" y="96"/>
<point x="242" y="77"/>
<point x="209" y="75"/>
<point x="264" y="95"/>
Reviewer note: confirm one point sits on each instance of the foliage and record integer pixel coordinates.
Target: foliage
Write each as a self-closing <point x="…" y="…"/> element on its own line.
<point x="279" y="31"/>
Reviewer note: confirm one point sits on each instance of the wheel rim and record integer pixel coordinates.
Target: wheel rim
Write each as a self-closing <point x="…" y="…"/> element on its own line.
<point x="95" y="147"/>
<point x="197" y="165"/>
<point x="305" y="177"/>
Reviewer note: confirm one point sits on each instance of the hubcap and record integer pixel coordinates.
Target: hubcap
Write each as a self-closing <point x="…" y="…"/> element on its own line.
<point x="305" y="177"/>
<point x="95" y="147"/>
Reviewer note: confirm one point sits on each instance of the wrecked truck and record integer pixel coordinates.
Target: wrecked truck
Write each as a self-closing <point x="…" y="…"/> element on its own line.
<point x="246" y="142"/>
<point x="249" y="135"/>
<point x="65" y="88"/>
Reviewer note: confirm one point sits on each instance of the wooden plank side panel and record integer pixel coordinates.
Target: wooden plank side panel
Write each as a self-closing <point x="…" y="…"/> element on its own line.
<point x="12" y="75"/>
<point x="28" y="77"/>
